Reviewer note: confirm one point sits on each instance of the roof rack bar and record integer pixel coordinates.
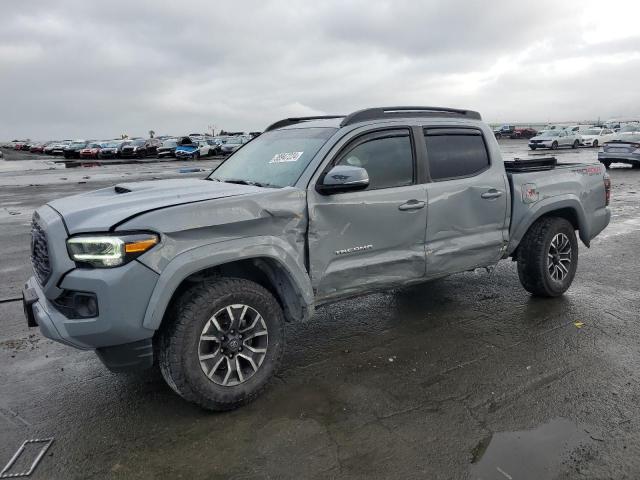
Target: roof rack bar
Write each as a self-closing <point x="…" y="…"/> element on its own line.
<point x="390" y="112"/>
<point x="293" y="120"/>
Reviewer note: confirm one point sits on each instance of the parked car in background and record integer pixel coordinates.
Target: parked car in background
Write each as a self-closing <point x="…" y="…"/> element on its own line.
<point x="596" y="136"/>
<point x="110" y="149"/>
<point x="625" y="149"/>
<point x="73" y="149"/>
<point x="524" y="132"/>
<point x="577" y="128"/>
<point x="167" y="149"/>
<point x="555" y="139"/>
<point x="57" y="148"/>
<point x="37" y="148"/>
<point x="92" y="150"/>
<point x="232" y="144"/>
<point x="134" y="149"/>
<point x="504" y="131"/>
<point x="194" y="149"/>
<point x="628" y="129"/>
<point x="152" y="146"/>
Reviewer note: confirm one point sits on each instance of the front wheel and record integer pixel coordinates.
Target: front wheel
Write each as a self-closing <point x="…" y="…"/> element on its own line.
<point x="554" y="145"/>
<point x="576" y="144"/>
<point x="595" y="144"/>
<point x="548" y="257"/>
<point x="223" y="342"/>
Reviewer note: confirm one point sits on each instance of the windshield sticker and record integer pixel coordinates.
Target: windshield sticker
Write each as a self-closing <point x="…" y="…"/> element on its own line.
<point x="286" y="157"/>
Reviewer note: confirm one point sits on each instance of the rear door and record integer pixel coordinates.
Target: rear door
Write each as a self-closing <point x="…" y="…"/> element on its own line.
<point x="467" y="214"/>
<point x="372" y="238"/>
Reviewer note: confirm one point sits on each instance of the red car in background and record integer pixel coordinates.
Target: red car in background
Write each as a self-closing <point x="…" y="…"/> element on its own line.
<point x="37" y="148"/>
<point x="91" y="151"/>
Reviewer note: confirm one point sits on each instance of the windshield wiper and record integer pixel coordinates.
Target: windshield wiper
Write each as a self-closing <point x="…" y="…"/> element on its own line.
<point x="240" y="181"/>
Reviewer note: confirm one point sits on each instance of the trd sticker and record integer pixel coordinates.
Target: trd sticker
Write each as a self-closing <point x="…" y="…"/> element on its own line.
<point x="530" y="193"/>
<point x="596" y="170"/>
<point x="286" y="157"/>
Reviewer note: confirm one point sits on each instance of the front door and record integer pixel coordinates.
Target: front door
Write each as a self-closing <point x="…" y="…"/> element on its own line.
<point x="372" y="238"/>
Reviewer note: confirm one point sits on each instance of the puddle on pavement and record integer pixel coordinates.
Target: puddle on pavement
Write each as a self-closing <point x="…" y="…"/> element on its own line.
<point x="527" y="454"/>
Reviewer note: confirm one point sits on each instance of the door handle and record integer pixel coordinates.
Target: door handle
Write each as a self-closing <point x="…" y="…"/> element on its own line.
<point x="493" y="193"/>
<point x="412" y="205"/>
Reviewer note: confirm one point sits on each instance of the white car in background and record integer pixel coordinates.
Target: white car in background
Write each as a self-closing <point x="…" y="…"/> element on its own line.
<point x="626" y="130"/>
<point x="555" y="139"/>
<point x="597" y="136"/>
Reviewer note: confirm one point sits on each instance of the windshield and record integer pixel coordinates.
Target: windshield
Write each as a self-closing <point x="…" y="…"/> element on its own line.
<point x="234" y="141"/>
<point x="275" y="158"/>
<point x="549" y="133"/>
<point x="77" y="144"/>
<point x="110" y="145"/>
<point x="630" y="128"/>
<point x="170" y="143"/>
<point x="138" y="142"/>
<point x="592" y="131"/>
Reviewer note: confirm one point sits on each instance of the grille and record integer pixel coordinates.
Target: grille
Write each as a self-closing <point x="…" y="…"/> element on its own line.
<point x="40" y="253"/>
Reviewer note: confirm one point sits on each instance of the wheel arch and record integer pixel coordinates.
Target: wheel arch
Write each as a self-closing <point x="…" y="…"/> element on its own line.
<point x="273" y="269"/>
<point x="569" y="208"/>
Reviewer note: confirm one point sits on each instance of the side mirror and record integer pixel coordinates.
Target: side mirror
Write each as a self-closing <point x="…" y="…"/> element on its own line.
<point x="343" y="178"/>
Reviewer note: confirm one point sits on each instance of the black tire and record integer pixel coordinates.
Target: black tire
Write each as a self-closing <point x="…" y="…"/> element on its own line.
<point x="498" y="136"/>
<point x="179" y="342"/>
<point x="607" y="165"/>
<point x="554" y="145"/>
<point x="533" y="257"/>
<point x="532" y="147"/>
<point x="595" y="144"/>
<point x="576" y="144"/>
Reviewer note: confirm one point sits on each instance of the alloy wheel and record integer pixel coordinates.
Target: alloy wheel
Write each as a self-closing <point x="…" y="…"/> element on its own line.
<point x="559" y="257"/>
<point x="233" y="345"/>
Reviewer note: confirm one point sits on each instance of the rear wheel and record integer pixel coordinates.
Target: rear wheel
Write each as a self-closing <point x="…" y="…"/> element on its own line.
<point x="595" y="144"/>
<point x="607" y="165"/>
<point x="576" y="143"/>
<point x="223" y="342"/>
<point x="554" y="145"/>
<point x="548" y="257"/>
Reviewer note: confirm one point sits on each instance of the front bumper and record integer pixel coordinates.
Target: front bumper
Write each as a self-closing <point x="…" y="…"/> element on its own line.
<point x="183" y="154"/>
<point x="122" y="294"/>
<point x="541" y="144"/>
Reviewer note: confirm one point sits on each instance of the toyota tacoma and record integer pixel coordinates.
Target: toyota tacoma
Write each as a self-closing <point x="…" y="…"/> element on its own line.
<point x="199" y="276"/>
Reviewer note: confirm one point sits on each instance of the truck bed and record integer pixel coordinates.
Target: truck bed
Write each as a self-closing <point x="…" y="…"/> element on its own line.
<point x="543" y="185"/>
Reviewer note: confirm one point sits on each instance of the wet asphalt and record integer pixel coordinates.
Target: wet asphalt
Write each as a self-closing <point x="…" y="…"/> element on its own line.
<point x="466" y="377"/>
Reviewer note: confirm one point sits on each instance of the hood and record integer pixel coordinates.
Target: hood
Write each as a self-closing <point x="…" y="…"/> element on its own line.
<point x="187" y="148"/>
<point x="102" y="209"/>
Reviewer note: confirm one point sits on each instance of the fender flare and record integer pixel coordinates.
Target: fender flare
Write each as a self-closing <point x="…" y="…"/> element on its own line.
<point x="215" y="254"/>
<point x="564" y="203"/>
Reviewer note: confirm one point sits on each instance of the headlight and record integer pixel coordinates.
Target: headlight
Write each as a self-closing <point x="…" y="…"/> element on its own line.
<point x="104" y="251"/>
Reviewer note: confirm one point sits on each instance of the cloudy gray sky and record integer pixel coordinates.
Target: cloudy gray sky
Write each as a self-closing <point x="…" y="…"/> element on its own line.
<point x="97" y="69"/>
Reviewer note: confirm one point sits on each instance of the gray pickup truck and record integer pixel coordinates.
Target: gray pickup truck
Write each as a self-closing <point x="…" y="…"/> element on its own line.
<point x="200" y="275"/>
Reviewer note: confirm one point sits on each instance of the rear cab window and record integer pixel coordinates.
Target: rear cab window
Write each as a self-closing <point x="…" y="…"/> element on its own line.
<point x="455" y="153"/>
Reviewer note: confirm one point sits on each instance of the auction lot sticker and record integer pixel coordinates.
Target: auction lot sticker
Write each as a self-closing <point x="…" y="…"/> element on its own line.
<point x="286" y="157"/>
